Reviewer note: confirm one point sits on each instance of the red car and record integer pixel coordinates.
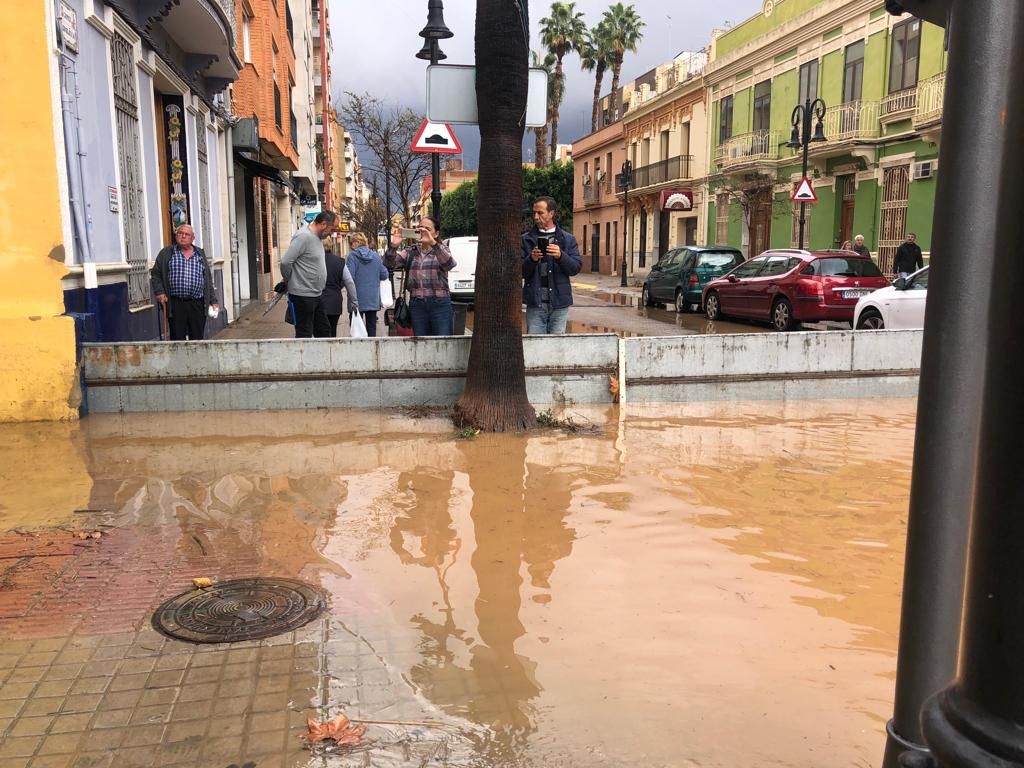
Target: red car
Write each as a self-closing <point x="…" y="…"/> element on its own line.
<point x="786" y="287"/>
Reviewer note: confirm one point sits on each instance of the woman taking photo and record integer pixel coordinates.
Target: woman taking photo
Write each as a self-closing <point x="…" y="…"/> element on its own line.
<point x="427" y="264"/>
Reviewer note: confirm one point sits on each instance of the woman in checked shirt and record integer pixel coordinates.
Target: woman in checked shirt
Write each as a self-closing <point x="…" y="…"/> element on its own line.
<point x="427" y="263"/>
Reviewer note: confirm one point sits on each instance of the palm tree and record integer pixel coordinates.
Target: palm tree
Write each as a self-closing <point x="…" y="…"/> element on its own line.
<point x="494" y="397"/>
<point x="596" y="57"/>
<point x="541" y="133"/>
<point x="624" y="31"/>
<point x="563" y="31"/>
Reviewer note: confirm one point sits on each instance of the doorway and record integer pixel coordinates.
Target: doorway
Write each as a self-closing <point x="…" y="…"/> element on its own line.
<point x="595" y="249"/>
<point x="848" y="200"/>
<point x="663" y="219"/>
<point x="760" y="221"/>
<point x="643" y="237"/>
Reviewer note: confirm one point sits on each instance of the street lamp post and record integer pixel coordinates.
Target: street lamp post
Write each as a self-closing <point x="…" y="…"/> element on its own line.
<point x="627" y="180"/>
<point x="435" y="30"/>
<point x="801" y="138"/>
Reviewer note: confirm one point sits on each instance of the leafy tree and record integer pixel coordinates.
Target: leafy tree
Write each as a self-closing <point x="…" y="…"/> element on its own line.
<point x="624" y="27"/>
<point x="388" y="133"/>
<point x="365" y="216"/>
<point x="562" y="32"/>
<point x="596" y="57"/>
<point x="458" y="210"/>
<point x="495" y="397"/>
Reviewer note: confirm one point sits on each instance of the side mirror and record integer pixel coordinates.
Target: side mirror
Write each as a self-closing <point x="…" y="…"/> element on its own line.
<point x="900" y="283"/>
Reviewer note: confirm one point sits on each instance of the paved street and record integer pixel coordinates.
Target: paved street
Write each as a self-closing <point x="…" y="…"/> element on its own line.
<point x="638" y="595"/>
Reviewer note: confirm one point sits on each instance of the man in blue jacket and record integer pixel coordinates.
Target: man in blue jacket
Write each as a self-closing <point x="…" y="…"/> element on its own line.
<point x="550" y="256"/>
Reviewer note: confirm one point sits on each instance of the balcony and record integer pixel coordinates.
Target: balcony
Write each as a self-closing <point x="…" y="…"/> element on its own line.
<point x="748" y="148"/>
<point x="850" y="121"/>
<point x="591" y="194"/>
<point x="672" y="169"/>
<point x="930" y="95"/>
<point x="899" y="105"/>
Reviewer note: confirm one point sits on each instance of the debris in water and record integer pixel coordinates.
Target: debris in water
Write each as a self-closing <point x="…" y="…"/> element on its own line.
<point x="613" y="387"/>
<point x="202" y="583"/>
<point x="339" y="730"/>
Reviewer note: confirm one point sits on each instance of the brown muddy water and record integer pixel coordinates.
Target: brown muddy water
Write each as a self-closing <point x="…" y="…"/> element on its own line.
<point x="692" y="585"/>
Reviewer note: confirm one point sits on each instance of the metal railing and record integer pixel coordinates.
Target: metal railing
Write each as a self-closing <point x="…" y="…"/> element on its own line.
<point x="852" y="120"/>
<point x="590" y="193"/>
<point x="673" y="168"/>
<point x="747" y="148"/>
<point x="900" y="101"/>
<point x="930" y="99"/>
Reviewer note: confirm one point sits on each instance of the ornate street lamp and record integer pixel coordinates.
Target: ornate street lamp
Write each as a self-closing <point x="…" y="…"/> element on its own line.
<point x="801" y="139"/>
<point x="627" y="181"/>
<point x="435" y="30"/>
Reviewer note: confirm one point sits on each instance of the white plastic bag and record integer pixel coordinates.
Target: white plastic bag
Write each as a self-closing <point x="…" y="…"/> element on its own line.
<point x="357" y="328"/>
<point x="387" y="296"/>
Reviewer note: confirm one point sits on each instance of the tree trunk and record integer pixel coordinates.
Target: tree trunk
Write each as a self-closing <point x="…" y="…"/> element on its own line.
<point x="542" y="146"/>
<point x="616" y="68"/>
<point x="556" y="105"/>
<point x="597" y="99"/>
<point x="495" y="395"/>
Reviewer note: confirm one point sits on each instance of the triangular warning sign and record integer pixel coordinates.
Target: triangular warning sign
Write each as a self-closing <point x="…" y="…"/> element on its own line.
<point x="436" y="137"/>
<point x="804" y="192"/>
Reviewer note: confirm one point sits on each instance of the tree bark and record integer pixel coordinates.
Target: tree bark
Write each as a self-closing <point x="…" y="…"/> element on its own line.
<point x="541" y="153"/>
<point x="615" y="100"/>
<point x="598" y="77"/>
<point x="495" y="395"/>
<point x="557" y="103"/>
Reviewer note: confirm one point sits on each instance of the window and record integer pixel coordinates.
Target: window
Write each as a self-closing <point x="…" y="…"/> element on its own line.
<point x="684" y="139"/>
<point x="750" y="268"/>
<point x="725" y="119"/>
<point x="608" y="172"/>
<point x="607" y="238"/>
<point x="777" y="265"/>
<point x="721" y="261"/>
<point x="920" y="282"/>
<point x="277" y="108"/>
<point x="246" y="40"/>
<point x="289" y="27"/>
<point x="615" y="238"/>
<point x="809" y="81"/>
<point x="840" y="267"/>
<point x="584" y="238"/>
<point x="722" y="219"/>
<point x="763" y="105"/>
<point x="906" y="47"/>
<point x="853" y="77"/>
<point x="664" y="146"/>
<point x="645" y="153"/>
<point x="586" y="168"/>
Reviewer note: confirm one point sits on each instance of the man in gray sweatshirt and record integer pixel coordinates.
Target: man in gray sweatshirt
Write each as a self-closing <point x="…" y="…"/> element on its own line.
<point x="305" y="271"/>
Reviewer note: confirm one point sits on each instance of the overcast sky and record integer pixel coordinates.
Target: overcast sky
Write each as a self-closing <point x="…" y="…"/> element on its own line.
<point x="375" y="45"/>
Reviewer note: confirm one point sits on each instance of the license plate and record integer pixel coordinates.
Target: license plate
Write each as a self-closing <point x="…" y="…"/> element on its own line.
<point x="463" y="283"/>
<point x="855" y="294"/>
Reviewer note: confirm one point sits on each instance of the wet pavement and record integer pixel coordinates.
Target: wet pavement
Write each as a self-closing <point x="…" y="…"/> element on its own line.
<point x="711" y="584"/>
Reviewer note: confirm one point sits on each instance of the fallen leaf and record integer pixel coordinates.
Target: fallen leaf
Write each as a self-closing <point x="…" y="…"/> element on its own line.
<point x="339" y="730"/>
<point x="202" y="583"/>
<point x="613" y="387"/>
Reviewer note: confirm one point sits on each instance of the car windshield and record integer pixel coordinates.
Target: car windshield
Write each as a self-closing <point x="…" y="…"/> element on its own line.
<point x="719" y="259"/>
<point x="838" y="266"/>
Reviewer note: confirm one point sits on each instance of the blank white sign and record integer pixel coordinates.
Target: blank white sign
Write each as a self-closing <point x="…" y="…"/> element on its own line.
<point x="451" y="95"/>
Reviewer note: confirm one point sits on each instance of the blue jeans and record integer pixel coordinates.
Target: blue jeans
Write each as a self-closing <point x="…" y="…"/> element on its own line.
<point x="544" y="319"/>
<point x="432" y="316"/>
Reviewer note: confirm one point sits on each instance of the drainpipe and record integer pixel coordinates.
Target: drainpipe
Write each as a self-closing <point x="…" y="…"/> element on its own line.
<point x="236" y="290"/>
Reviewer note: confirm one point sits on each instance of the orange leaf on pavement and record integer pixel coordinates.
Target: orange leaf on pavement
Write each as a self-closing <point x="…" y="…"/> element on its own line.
<point x="339" y="730"/>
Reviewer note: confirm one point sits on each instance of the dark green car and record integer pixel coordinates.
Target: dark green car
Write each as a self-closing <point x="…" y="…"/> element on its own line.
<point x="680" y="275"/>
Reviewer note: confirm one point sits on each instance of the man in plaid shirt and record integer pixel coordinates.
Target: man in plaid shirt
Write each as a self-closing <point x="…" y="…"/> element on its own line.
<point x="183" y="283"/>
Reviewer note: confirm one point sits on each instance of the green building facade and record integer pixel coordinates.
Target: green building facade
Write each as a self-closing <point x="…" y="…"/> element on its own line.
<point x="882" y="80"/>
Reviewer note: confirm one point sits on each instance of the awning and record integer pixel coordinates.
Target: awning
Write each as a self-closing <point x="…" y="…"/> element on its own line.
<point x="676" y="200"/>
<point x="263" y="171"/>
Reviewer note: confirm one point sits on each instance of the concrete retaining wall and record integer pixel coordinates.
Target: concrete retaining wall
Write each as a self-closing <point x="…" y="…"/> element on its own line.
<point x="388" y="372"/>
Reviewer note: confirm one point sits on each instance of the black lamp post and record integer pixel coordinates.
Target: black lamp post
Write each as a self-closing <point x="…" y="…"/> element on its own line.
<point x="802" y="138"/>
<point x="435" y="30"/>
<point x="627" y="181"/>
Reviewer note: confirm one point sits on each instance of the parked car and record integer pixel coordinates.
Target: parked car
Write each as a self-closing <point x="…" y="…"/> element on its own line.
<point x="462" y="279"/>
<point x="787" y="287"/>
<point x="680" y="275"/>
<point x="901" y="305"/>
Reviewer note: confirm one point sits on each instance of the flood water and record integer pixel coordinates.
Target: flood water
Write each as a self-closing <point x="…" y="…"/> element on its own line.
<point x="692" y="585"/>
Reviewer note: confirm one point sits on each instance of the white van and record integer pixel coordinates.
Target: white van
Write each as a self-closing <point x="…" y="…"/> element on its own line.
<point x="462" y="279"/>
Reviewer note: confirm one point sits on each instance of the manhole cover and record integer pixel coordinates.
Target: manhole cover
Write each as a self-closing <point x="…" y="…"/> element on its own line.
<point x="243" y="609"/>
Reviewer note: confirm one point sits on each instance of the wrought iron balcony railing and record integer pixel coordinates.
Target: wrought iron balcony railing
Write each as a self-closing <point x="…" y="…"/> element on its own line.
<point x="748" y="148"/>
<point x="900" y="101"/>
<point x="852" y="120"/>
<point x="930" y="95"/>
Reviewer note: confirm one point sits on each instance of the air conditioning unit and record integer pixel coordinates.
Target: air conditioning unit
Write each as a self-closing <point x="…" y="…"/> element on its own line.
<point x="923" y="170"/>
<point x="600" y="175"/>
<point x="586" y="178"/>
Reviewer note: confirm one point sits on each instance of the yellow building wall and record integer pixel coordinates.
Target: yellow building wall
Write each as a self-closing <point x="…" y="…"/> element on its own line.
<point x="38" y="378"/>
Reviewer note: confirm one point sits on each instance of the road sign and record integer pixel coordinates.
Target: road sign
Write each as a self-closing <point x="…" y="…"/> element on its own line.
<point x="451" y="95"/>
<point x="436" y="137"/>
<point x="804" y="192"/>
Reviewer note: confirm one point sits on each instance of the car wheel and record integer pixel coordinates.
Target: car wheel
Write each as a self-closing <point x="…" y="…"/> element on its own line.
<point x="870" y="320"/>
<point x="782" y="315"/>
<point x="645" y="297"/>
<point x="682" y="305"/>
<point x="712" y="307"/>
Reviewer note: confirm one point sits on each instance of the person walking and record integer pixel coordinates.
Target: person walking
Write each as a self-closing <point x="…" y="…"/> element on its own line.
<point x="908" y="257"/>
<point x="550" y="256"/>
<point x="304" y="269"/>
<point x="367" y="271"/>
<point x="338" y="276"/>
<point x="183" y="285"/>
<point x="427" y="264"/>
<point x="859" y="247"/>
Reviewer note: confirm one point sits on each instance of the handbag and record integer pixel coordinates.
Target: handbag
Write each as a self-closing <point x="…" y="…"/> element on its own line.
<point x="403" y="315"/>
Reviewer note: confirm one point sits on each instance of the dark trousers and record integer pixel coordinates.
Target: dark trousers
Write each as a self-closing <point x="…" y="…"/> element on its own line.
<point x="370" y="318"/>
<point x="187" y="318"/>
<point x="310" y="318"/>
<point x="432" y="316"/>
<point x="333" y="320"/>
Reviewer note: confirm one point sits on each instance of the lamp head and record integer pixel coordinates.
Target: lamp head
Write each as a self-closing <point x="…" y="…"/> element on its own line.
<point x="436" y="29"/>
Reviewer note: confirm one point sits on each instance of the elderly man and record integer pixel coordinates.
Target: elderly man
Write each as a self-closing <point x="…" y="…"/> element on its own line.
<point x="304" y="269"/>
<point x="183" y="283"/>
<point x="859" y="247"/>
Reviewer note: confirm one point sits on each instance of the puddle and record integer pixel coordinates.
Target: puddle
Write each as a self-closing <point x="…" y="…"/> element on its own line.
<point x="696" y="585"/>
